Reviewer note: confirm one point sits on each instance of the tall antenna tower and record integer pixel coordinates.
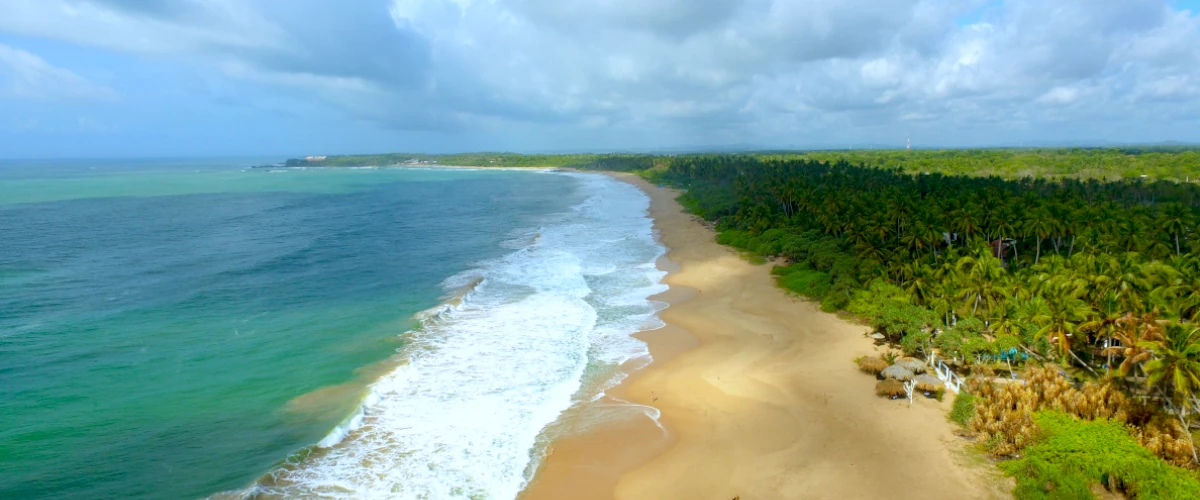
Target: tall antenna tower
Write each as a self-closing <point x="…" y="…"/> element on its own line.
<point x="908" y="144"/>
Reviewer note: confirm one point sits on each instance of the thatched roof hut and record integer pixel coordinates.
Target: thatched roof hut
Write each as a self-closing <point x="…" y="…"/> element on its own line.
<point x="929" y="383"/>
<point x="871" y="364"/>
<point x="913" y="365"/>
<point x="890" y="389"/>
<point x="898" y="372"/>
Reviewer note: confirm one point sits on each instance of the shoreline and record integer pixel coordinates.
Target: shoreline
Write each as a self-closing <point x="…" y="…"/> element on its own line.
<point x="587" y="465"/>
<point x="766" y="404"/>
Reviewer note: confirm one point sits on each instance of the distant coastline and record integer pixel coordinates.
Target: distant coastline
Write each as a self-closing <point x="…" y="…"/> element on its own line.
<point x="404" y="166"/>
<point x="1179" y="163"/>
<point x="585" y="161"/>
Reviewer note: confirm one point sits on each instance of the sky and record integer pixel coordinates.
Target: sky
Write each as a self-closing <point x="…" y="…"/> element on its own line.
<point x="162" y="78"/>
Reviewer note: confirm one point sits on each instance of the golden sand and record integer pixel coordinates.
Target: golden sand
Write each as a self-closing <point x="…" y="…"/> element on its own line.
<point x="760" y="400"/>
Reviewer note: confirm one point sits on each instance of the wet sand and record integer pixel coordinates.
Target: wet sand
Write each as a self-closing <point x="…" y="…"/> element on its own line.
<point x="759" y="398"/>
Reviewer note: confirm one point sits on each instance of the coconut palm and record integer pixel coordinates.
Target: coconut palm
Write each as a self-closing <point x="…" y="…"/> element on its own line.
<point x="1173" y="220"/>
<point x="981" y="275"/>
<point x="1175" y="371"/>
<point x="1107" y="313"/>
<point x="1132" y="333"/>
<point x="1040" y="225"/>
<point x="1061" y="322"/>
<point x="1175" y="359"/>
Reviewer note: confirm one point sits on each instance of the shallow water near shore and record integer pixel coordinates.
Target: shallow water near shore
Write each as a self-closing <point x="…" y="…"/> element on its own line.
<point x="346" y="333"/>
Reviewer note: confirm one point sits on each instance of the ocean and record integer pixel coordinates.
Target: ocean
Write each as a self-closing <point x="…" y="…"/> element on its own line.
<point x="186" y="329"/>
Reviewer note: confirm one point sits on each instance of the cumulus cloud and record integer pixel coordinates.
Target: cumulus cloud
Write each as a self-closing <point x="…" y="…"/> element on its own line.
<point x="25" y="75"/>
<point x="762" y="71"/>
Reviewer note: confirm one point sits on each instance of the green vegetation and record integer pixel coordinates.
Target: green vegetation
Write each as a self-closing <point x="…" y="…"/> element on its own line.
<point x="803" y="281"/>
<point x="1179" y="163"/>
<point x="1072" y="455"/>
<point x="1174" y="163"/>
<point x="988" y="264"/>
<point x="1044" y="263"/>
<point x="964" y="408"/>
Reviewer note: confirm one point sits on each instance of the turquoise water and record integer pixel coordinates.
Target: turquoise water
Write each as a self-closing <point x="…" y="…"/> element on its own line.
<point x="174" y="330"/>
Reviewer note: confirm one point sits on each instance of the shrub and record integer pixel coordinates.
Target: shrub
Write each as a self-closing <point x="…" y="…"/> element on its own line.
<point x="964" y="408"/>
<point x="976" y="345"/>
<point x="1072" y="455"/>
<point x="1166" y="438"/>
<point x="964" y="340"/>
<point x="1005" y="342"/>
<point x="970" y="326"/>
<point x="734" y="238"/>
<point x="799" y="279"/>
<point x="890" y="357"/>
<point x="896" y="321"/>
<point x="869" y="302"/>
<point x="916" y="342"/>
<point x="1002" y="415"/>
<point x="834" y="302"/>
<point x="950" y="343"/>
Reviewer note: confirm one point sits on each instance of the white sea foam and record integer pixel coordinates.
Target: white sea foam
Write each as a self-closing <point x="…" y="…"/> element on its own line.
<point x="492" y="367"/>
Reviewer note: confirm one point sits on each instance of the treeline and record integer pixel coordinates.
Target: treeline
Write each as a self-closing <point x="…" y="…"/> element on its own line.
<point x="1171" y="163"/>
<point x="1177" y="163"/>
<point x="1100" y="277"/>
<point x="1040" y="259"/>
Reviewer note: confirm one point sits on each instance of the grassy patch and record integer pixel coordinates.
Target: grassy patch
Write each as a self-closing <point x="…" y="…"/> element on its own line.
<point x="1073" y="455"/>
<point x="754" y="258"/>
<point x="802" y="280"/>
<point x="963" y="410"/>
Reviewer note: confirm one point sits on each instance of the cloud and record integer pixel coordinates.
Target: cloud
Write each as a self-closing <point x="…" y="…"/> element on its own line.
<point x="599" y="72"/>
<point x="24" y="75"/>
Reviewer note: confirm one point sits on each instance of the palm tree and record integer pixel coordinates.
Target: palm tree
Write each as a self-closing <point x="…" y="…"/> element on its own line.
<point x="1175" y="370"/>
<point x="869" y="249"/>
<point x="964" y="222"/>
<point x="1040" y="225"/>
<point x="1061" y="322"/>
<point x="1106" y="315"/>
<point x="941" y="304"/>
<point x="1129" y="234"/>
<point x="1128" y="281"/>
<point x="1176" y="359"/>
<point x="915" y="240"/>
<point x="980" y="277"/>
<point x="1007" y="318"/>
<point x="1132" y="332"/>
<point x="928" y="234"/>
<point x="1173" y="220"/>
<point x="1187" y="298"/>
<point x="918" y="285"/>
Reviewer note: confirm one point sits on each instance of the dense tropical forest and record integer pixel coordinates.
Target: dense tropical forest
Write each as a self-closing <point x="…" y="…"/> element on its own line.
<point x="1100" y="281"/>
<point x="1172" y="163"/>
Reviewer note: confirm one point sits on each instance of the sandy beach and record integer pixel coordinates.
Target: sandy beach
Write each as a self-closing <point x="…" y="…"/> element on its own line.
<point x="759" y="398"/>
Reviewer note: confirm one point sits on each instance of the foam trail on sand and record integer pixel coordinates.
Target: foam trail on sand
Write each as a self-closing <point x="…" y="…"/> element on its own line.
<point x="521" y="339"/>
